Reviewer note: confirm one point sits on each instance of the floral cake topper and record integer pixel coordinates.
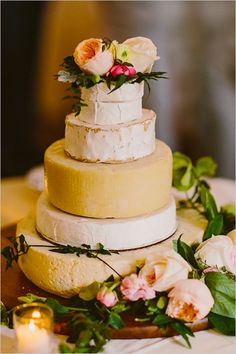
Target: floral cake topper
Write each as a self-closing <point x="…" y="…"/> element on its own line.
<point x="98" y="60"/>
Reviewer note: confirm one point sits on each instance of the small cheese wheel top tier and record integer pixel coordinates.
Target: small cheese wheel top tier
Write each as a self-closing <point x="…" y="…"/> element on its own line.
<point x="116" y="234"/>
<point x="104" y="190"/>
<point x="110" y="143"/>
<point x="107" y="108"/>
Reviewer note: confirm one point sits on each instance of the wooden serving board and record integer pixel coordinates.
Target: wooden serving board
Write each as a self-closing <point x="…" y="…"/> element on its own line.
<point x="15" y="284"/>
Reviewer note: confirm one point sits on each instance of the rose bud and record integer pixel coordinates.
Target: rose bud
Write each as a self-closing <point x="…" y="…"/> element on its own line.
<point x="121" y="69"/>
<point x="107" y="297"/>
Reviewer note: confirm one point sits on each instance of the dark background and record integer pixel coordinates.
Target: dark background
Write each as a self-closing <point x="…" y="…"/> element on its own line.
<point x="19" y="45"/>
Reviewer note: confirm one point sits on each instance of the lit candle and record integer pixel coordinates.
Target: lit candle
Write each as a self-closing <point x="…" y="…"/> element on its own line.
<point x="33" y="328"/>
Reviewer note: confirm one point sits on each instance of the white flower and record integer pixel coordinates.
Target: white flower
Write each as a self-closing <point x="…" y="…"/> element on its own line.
<point x="232" y="236"/>
<point x="190" y="300"/>
<point x="140" y="52"/>
<point x="91" y="58"/>
<point x="64" y="76"/>
<point x="218" y="251"/>
<point x="164" y="270"/>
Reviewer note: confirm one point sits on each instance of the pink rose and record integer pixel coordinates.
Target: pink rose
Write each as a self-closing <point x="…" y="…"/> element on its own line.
<point x="121" y="69"/>
<point x="107" y="297"/>
<point x="134" y="288"/>
<point x="190" y="300"/>
<point x="91" y="58"/>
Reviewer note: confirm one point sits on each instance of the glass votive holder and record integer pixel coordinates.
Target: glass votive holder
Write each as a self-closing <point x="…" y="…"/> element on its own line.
<point x="33" y="325"/>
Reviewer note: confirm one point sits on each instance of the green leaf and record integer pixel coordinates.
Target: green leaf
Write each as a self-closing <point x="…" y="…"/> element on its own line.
<point x="120" y="81"/>
<point x="223" y="324"/>
<point x="8" y="254"/>
<point x="208" y="202"/>
<point x="187" y="178"/>
<point x="205" y="166"/>
<point x="57" y="308"/>
<point x="183" y="330"/>
<point x="85" y="337"/>
<point x="186" y="252"/>
<point x="102" y="250"/>
<point x="162" y="320"/>
<point x="183" y="177"/>
<point x="64" y="348"/>
<point x="120" y="307"/>
<point x="115" y="320"/>
<point x="162" y="302"/>
<point x="214" y="227"/>
<point x="174" y="244"/>
<point x="222" y="289"/>
<point x="28" y="298"/>
<point x="89" y="292"/>
<point x="4" y="315"/>
<point x="180" y="160"/>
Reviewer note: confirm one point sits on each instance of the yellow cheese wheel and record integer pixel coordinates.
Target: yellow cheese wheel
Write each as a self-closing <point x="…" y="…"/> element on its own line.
<point x="104" y="190"/>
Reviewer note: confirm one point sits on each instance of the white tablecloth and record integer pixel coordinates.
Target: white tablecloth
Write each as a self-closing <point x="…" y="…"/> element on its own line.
<point x="18" y="199"/>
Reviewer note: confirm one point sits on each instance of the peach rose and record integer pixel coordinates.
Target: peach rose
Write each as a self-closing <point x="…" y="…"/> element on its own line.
<point x="90" y="57"/>
<point x="166" y="268"/>
<point x="218" y="251"/>
<point x="190" y="300"/>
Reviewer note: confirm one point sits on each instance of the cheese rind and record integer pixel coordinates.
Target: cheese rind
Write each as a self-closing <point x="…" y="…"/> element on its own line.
<point x="60" y="227"/>
<point x="108" y="108"/>
<point x="101" y="93"/>
<point x="108" y="143"/>
<point x="105" y="190"/>
<point x="109" y="113"/>
<point x="65" y="274"/>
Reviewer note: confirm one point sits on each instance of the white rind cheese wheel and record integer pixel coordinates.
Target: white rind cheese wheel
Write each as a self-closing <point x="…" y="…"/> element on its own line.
<point x="60" y="227"/>
<point x="110" y="144"/>
<point x="65" y="274"/>
<point x="103" y="190"/>
<point x="108" y="108"/>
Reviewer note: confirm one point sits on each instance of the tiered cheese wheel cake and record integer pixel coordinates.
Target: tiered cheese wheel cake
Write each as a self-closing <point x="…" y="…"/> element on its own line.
<point x="123" y="200"/>
<point x="109" y="182"/>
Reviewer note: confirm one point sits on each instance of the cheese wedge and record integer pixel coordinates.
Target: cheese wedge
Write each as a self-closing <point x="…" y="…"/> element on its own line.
<point x="107" y="108"/>
<point x="65" y="274"/>
<point x="104" y="190"/>
<point x="109" y="143"/>
<point x="60" y="227"/>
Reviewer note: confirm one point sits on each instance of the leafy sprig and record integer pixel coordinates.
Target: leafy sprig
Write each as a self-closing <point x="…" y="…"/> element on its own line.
<point x="19" y="246"/>
<point x="187" y="176"/>
<point x="72" y="74"/>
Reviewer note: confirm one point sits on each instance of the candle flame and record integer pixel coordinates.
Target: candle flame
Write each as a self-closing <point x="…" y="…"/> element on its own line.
<point x="36" y="314"/>
<point x="32" y="326"/>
